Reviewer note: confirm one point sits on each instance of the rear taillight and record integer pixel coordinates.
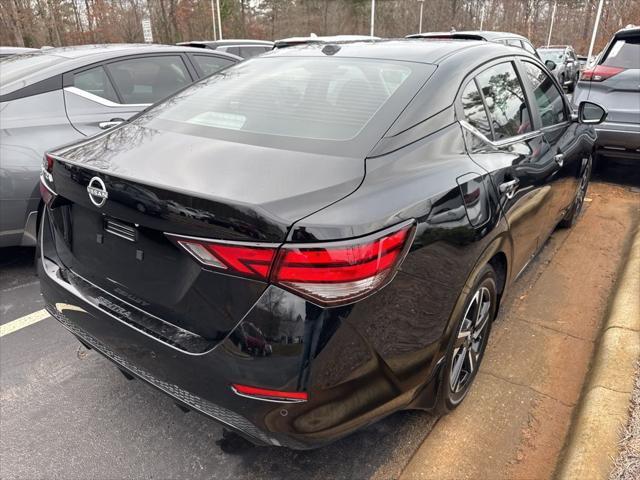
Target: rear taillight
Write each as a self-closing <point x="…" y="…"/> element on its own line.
<point x="245" y="260"/>
<point x="46" y="180"/>
<point x="342" y="272"/>
<point x="599" y="73"/>
<point x="331" y="273"/>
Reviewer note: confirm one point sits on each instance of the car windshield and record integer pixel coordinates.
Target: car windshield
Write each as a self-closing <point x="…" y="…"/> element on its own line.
<point x="556" y="56"/>
<point x="16" y="67"/>
<point x="320" y="98"/>
<point x="624" y="54"/>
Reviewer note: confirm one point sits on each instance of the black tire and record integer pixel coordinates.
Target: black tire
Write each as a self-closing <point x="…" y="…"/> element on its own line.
<point x="468" y="342"/>
<point x="574" y="211"/>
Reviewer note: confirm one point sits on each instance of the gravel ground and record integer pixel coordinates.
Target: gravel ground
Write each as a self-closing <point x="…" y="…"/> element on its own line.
<point x="627" y="465"/>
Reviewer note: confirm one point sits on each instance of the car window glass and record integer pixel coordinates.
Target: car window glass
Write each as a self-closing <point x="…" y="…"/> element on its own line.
<point x="95" y="81"/>
<point x="505" y="101"/>
<point x="233" y="50"/>
<point x="149" y="79"/>
<point x="528" y="47"/>
<point x="474" y="110"/>
<point x="514" y="43"/>
<point x="248" y="52"/>
<point x="306" y="97"/>
<point x="624" y="54"/>
<point x="547" y="96"/>
<point x="211" y="64"/>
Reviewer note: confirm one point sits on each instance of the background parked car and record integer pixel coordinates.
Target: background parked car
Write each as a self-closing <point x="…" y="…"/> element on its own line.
<point x="505" y="38"/>
<point x="567" y="67"/>
<point x="242" y="48"/>
<point x="58" y="95"/>
<point x="8" y="51"/>
<point x="614" y="82"/>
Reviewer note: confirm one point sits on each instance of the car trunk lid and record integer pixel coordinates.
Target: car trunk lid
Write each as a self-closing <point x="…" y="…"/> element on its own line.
<point x="190" y="187"/>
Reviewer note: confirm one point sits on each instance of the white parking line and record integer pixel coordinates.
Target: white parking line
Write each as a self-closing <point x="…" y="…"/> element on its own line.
<point x="22" y="322"/>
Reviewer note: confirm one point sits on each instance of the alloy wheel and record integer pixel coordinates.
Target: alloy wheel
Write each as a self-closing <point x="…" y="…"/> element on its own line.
<point x="469" y="341"/>
<point x="582" y="188"/>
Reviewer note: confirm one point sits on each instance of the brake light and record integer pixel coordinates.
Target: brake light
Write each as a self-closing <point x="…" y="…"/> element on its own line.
<point x="246" y="260"/>
<point x="331" y="273"/>
<point x="269" y="395"/>
<point x="342" y="272"/>
<point x="600" y="73"/>
<point x="46" y="192"/>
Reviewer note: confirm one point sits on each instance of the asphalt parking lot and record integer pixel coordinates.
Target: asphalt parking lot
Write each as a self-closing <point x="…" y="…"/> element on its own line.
<point x="68" y="413"/>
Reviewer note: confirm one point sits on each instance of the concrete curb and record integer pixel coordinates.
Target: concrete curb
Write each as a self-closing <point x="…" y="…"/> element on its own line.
<point x="604" y="405"/>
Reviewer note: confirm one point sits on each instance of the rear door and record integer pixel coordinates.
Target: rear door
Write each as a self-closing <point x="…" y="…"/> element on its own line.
<point x="501" y="136"/>
<point x="102" y="96"/>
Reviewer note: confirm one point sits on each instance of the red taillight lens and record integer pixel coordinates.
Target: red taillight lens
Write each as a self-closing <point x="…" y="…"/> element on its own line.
<point x="248" y="261"/>
<point x="47" y="163"/>
<point x="46" y="192"/>
<point x="341" y="272"/>
<point x="600" y="73"/>
<point x="270" y="395"/>
<point x="332" y="273"/>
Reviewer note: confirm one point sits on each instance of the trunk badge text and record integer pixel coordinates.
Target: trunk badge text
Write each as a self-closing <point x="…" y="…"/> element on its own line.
<point x="97" y="191"/>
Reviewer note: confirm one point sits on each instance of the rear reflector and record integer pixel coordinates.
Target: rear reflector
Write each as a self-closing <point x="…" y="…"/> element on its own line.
<point x="269" y="395"/>
<point x="331" y="273"/>
<point x="600" y="73"/>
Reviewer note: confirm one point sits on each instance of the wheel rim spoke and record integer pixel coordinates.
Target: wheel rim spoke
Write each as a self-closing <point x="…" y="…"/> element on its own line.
<point x="468" y="342"/>
<point x="457" y="368"/>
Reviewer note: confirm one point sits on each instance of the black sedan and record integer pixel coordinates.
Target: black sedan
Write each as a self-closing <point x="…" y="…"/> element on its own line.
<point x="327" y="230"/>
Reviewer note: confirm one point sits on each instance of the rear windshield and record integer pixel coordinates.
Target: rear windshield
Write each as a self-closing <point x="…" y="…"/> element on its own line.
<point x="16" y="67"/>
<point x="315" y="98"/>
<point x="624" y="54"/>
<point x="556" y="56"/>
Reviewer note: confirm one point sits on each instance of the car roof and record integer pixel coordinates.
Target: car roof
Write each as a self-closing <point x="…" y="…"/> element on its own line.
<point x="227" y="43"/>
<point x="14" y="50"/>
<point x="487" y="35"/>
<point x="432" y="52"/>
<point x="628" y="31"/>
<point x="70" y="58"/>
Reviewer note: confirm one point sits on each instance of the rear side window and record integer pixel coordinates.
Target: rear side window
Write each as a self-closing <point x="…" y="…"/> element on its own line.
<point x="514" y="43"/>
<point x="96" y="82"/>
<point x="474" y="110"/>
<point x="547" y="96"/>
<point x="528" y="47"/>
<point x="210" y="64"/>
<point x="624" y="54"/>
<point x="248" y="52"/>
<point x="505" y="100"/>
<point x="149" y="79"/>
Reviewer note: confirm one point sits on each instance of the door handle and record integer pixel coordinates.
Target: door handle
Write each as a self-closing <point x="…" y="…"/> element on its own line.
<point x="559" y="158"/>
<point x="509" y="188"/>
<point x="114" y="122"/>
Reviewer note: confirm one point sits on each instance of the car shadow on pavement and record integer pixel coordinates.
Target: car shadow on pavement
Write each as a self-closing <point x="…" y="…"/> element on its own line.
<point x="378" y="451"/>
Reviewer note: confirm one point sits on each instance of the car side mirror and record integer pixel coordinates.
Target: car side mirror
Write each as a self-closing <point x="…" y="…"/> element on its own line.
<point x="591" y="113"/>
<point x="551" y="65"/>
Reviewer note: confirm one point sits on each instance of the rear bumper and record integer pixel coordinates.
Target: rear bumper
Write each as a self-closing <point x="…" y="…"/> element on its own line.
<point x="618" y="139"/>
